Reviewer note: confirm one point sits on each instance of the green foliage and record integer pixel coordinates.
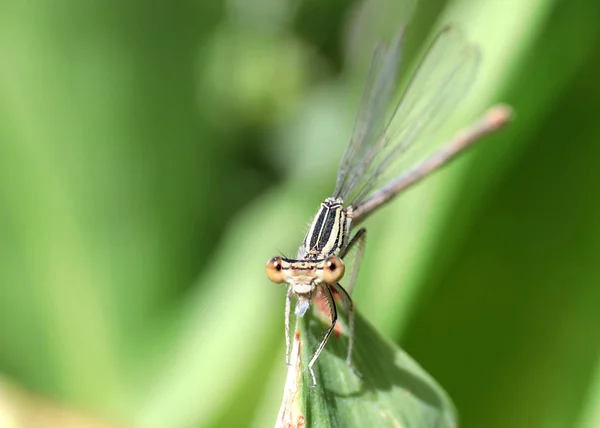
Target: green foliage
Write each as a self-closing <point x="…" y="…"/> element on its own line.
<point x="153" y="156"/>
<point x="384" y="387"/>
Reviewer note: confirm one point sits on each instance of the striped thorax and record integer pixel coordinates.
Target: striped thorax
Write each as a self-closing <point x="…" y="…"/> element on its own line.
<point x="328" y="232"/>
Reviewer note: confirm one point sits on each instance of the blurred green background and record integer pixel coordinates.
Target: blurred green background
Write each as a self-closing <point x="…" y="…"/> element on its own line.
<point x="154" y="155"/>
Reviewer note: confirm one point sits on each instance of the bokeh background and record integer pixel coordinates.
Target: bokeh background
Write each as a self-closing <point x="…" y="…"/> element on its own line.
<point x="154" y="155"/>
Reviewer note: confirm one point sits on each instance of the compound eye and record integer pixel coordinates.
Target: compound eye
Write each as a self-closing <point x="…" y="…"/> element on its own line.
<point x="275" y="270"/>
<point x="333" y="270"/>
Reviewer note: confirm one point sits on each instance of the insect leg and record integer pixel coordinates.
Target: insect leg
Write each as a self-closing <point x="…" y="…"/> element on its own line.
<point x="350" y="307"/>
<point x="360" y="239"/>
<point x="333" y="314"/>
<point x="288" y="304"/>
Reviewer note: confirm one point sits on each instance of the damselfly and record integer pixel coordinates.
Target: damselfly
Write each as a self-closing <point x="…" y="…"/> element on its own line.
<point x="378" y="142"/>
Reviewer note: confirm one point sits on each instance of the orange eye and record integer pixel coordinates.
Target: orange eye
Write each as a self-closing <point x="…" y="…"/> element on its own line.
<point x="275" y="270"/>
<point x="333" y="270"/>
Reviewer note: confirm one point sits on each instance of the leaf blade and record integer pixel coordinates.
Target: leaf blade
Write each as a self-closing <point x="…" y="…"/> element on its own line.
<point x="394" y="391"/>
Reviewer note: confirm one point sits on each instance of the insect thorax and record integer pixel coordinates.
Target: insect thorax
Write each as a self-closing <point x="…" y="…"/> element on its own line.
<point x="328" y="233"/>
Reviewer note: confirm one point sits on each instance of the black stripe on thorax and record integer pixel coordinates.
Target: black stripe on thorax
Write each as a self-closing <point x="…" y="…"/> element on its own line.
<point x="327" y="231"/>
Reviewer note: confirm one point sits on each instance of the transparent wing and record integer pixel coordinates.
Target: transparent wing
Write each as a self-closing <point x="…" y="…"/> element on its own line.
<point x="372" y="116"/>
<point x="377" y="151"/>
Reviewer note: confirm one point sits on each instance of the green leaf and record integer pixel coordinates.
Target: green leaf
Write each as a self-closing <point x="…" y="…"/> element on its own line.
<point x="392" y="390"/>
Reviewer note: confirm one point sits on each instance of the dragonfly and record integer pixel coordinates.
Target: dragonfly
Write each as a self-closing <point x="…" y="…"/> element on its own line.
<point x="379" y="142"/>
